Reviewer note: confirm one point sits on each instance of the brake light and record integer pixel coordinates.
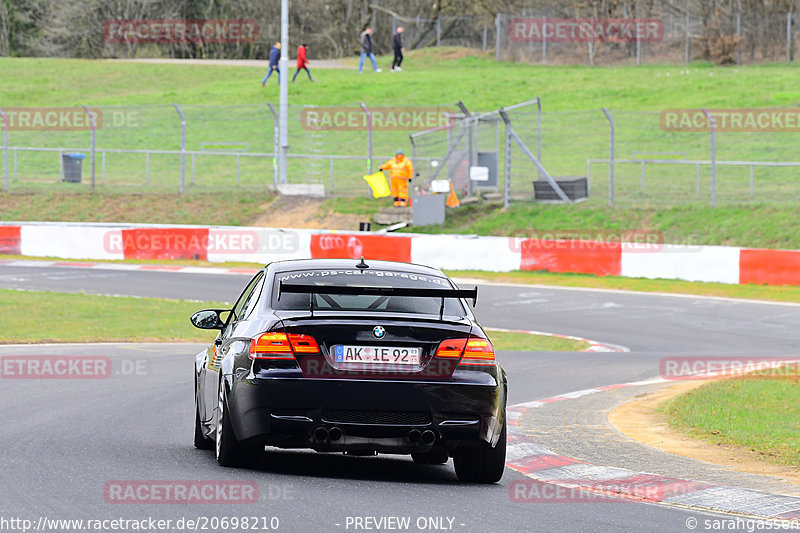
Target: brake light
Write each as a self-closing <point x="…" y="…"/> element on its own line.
<point x="451" y="348"/>
<point x="478" y="352"/>
<point x="305" y="344"/>
<point x="276" y="345"/>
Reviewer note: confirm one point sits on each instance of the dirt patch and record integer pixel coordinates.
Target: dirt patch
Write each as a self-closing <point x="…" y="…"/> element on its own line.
<point x="639" y="420"/>
<point x="303" y="212"/>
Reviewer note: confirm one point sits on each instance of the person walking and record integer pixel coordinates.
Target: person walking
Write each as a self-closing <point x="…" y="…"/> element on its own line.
<point x="367" y="49"/>
<point x="397" y="47"/>
<point x="274" y="57"/>
<point x="302" y="62"/>
<point x="401" y="170"/>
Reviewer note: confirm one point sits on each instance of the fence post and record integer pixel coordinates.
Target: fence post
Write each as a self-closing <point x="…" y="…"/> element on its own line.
<point x="468" y="121"/>
<point x="275" y="148"/>
<point x="686" y="37"/>
<point x="183" y="146"/>
<point x="789" y="37"/>
<point x="638" y="40"/>
<point x="544" y="41"/>
<point x="93" y="119"/>
<point x="712" y="128"/>
<point x="738" y="38"/>
<point x="497" y="38"/>
<point x="539" y="133"/>
<point x="611" y="156"/>
<point x="506" y="164"/>
<point x="438" y="31"/>
<point x="369" y="134"/>
<point x="485" y="35"/>
<point x="5" y="149"/>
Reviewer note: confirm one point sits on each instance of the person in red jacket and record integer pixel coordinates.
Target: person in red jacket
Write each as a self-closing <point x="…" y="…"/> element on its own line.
<point x="302" y="62"/>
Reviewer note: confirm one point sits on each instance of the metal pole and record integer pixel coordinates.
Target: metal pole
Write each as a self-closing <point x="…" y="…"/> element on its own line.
<point x="638" y="41"/>
<point x="611" y="156"/>
<point x="5" y="149"/>
<point x="468" y="122"/>
<point x="438" y="31"/>
<point x="789" y="37"/>
<point x="712" y="129"/>
<point x="275" y="142"/>
<point x="544" y="40"/>
<point x="507" y="165"/>
<point x="284" y="91"/>
<point x="738" y="38"/>
<point x="183" y="146"/>
<point x="497" y="38"/>
<point x="539" y="132"/>
<point x="368" y="113"/>
<point x="686" y="37"/>
<point x="93" y="118"/>
<point x="485" y="35"/>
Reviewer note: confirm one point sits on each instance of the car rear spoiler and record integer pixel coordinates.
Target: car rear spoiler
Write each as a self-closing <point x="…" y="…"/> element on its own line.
<point x="292" y="288"/>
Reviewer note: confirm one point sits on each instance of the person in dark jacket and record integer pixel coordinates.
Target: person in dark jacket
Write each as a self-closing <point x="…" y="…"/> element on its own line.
<point x="274" y="57"/>
<point x="397" y="46"/>
<point x="302" y="62"/>
<point x="367" y="49"/>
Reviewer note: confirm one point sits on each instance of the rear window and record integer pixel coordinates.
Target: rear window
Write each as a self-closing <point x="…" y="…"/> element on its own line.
<point x="370" y="278"/>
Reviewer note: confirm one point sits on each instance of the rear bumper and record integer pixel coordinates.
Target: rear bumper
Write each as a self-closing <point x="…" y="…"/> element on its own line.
<point x="371" y="415"/>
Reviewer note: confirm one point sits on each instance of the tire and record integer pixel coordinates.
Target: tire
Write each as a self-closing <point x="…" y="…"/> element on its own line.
<point x="201" y="442"/>
<point x="482" y="464"/>
<point x="229" y="451"/>
<point x="436" y="456"/>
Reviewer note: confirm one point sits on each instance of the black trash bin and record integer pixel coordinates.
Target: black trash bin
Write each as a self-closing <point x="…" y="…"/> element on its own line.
<point x="72" y="164"/>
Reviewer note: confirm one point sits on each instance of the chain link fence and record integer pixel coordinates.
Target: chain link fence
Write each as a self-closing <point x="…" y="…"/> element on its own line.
<point x="629" y="158"/>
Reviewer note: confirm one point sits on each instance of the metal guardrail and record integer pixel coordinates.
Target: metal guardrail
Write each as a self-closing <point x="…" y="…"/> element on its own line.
<point x="687" y="162"/>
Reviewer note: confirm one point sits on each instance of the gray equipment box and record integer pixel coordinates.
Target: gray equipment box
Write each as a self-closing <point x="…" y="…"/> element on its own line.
<point x="428" y="209"/>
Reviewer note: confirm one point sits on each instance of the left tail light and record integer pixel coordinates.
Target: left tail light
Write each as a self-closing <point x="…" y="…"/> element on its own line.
<point x="276" y="345"/>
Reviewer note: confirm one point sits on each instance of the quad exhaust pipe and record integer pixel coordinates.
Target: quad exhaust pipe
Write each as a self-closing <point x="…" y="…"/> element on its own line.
<point x="322" y="434"/>
<point x="427" y="437"/>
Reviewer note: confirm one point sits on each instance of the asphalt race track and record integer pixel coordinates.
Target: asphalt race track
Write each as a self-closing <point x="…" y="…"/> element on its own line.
<point x="64" y="441"/>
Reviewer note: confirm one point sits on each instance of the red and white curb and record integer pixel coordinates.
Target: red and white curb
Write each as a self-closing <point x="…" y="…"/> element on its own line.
<point x="178" y="269"/>
<point x="539" y="463"/>
<point x="594" y="346"/>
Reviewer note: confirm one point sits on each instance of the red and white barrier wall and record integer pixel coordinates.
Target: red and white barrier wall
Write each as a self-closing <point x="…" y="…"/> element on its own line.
<point x="723" y="264"/>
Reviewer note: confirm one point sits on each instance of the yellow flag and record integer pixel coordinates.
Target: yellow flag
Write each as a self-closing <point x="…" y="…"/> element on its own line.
<point x="377" y="182"/>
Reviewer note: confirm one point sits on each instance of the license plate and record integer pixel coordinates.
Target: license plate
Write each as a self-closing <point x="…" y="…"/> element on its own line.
<point x="382" y="355"/>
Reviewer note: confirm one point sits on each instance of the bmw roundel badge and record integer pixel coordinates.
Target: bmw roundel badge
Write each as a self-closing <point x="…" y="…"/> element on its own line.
<point x="378" y="332"/>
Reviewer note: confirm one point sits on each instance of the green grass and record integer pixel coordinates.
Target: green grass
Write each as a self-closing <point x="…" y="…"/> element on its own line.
<point x="760" y="226"/>
<point x="512" y="341"/>
<point x="756" y="414"/>
<point x="589" y="281"/>
<point x="33" y="317"/>
<point x="228" y="104"/>
<point x="223" y="208"/>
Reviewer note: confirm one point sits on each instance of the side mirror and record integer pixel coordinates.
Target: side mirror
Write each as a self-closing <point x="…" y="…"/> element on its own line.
<point x="209" y="319"/>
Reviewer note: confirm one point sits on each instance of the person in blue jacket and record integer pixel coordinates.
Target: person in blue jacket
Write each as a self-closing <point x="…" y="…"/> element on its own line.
<point x="274" y="57"/>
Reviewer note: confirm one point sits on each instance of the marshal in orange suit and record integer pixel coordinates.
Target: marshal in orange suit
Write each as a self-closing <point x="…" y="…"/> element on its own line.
<point x="401" y="170"/>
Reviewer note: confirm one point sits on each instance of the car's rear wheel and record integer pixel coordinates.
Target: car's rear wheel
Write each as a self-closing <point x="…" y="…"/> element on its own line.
<point x="436" y="456"/>
<point x="482" y="464"/>
<point x="229" y="451"/>
<point x="201" y="442"/>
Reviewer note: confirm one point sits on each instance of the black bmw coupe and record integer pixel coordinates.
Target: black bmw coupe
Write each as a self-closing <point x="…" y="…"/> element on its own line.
<point x="341" y="355"/>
